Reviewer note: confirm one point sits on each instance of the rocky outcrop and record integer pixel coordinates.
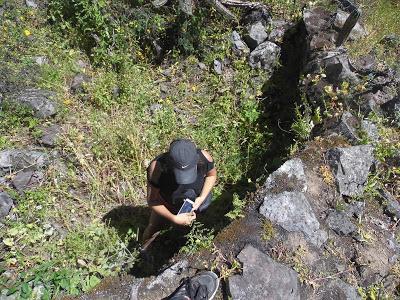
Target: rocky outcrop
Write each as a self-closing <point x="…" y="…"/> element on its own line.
<point x="50" y="136"/>
<point x="293" y="212"/>
<point x="263" y="278"/>
<point x="256" y="35"/>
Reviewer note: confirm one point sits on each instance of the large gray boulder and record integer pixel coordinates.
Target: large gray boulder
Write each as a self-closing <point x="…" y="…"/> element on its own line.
<point x="265" y="56"/>
<point x="41" y="102"/>
<point x="263" y="278"/>
<point x="6" y="204"/>
<point x="257" y="34"/>
<point x="351" y="167"/>
<point x="16" y="160"/>
<point x="293" y="212"/>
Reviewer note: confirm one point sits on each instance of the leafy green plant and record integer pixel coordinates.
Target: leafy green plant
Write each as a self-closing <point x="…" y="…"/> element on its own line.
<point x="198" y="238"/>
<point x="237" y="210"/>
<point x="302" y="125"/>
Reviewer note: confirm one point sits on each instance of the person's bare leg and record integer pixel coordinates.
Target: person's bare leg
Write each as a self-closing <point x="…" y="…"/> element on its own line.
<point x="155" y="225"/>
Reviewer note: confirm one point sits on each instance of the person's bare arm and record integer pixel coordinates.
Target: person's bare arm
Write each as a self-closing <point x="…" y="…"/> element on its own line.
<point x="209" y="182"/>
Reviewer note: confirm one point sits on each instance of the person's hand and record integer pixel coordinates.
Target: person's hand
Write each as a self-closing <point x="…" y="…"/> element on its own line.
<point x="197" y="203"/>
<point x="185" y="219"/>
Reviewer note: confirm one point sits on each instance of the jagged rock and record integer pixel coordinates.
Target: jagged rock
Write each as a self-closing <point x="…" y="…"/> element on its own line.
<point x="239" y="47"/>
<point x="27" y="180"/>
<point x="289" y="177"/>
<point x="337" y="289"/>
<point x="6" y="204"/>
<point x="355" y="208"/>
<point x="391" y="205"/>
<point x="40" y="101"/>
<point x="392" y="109"/>
<point x="318" y="22"/>
<point x="347" y="127"/>
<point x="218" y="67"/>
<point x="336" y="66"/>
<point x="351" y="167"/>
<point x="391" y="40"/>
<point x="340" y="223"/>
<point x="358" y="30"/>
<point x="257" y="34"/>
<point x="265" y="56"/>
<point x="257" y="15"/>
<point x="371" y="130"/>
<point x="186" y="6"/>
<point x="365" y="64"/>
<point x="263" y="278"/>
<point x="31" y="4"/>
<point x="78" y="83"/>
<point x="50" y="135"/>
<point x="293" y="212"/>
<point x="278" y="30"/>
<point x="16" y="160"/>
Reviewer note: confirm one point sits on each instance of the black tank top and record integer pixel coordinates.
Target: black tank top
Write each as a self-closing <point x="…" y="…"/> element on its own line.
<point x="170" y="190"/>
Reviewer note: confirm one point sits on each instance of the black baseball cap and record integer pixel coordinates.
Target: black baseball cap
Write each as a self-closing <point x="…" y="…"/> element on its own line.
<point x="185" y="157"/>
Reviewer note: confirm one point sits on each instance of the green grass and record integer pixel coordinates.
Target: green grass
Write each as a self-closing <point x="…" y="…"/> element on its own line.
<point x="381" y="18"/>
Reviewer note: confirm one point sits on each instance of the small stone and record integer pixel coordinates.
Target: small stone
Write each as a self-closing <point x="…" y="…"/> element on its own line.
<point x="265" y="56"/>
<point x="256" y="35"/>
<point x="26" y="180"/>
<point x="351" y="167"/>
<point x="154" y="108"/>
<point x="82" y="64"/>
<point x="50" y="136"/>
<point x="31" y="4"/>
<point x="348" y="126"/>
<point x="41" y="60"/>
<point x="218" y="67"/>
<point x="239" y="47"/>
<point x="202" y="66"/>
<point x="263" y="278"/>
<point x="391" y="205"/>
<point x="6" y="203"/>
<point x="340" y="223"/>
<point x="78" y="83"/>
<point x="392" y="109"/>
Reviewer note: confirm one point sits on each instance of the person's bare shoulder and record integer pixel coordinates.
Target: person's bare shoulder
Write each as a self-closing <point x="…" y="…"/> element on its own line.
<point x="207" y="155"/>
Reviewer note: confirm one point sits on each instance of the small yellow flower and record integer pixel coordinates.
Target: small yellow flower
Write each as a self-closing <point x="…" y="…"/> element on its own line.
<point x="67" y="101"/>
<point x="27" y="32"/>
